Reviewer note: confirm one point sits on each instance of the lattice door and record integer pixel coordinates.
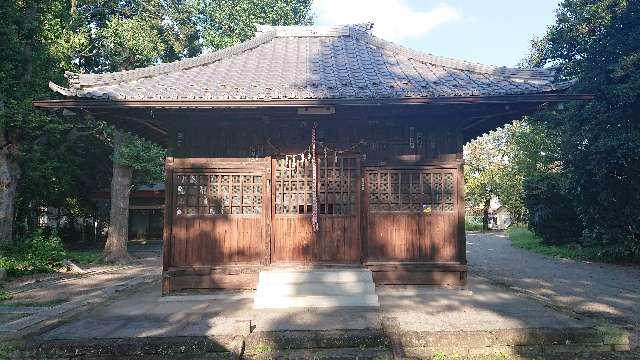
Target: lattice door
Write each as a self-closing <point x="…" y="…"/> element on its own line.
<point x="219" y="214"/>
<point x="337" y="238"/>
<point x="336" y="187"/>
<point x="218" y="193"/>
<point x="410" y="190"/>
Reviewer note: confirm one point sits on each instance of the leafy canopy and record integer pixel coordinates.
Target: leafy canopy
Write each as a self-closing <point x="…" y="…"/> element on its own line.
<point x="597" y="43"/>
<point x="227" y="22"/>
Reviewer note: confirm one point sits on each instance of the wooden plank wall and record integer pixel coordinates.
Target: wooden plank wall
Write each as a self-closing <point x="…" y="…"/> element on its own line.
<point x="206" y="241"/>
<point x="337" y="239"/>
<point x="383" y="139"/>
<point x="412" y="236"/>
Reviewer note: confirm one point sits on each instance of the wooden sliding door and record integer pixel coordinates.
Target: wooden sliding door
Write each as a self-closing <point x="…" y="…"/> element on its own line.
<point x="220" y="213"/>
<point x="412" y="213"/>
<point x="338" y="237"/>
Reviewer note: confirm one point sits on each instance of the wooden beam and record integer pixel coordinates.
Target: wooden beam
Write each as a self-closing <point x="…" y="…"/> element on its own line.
<point x="168" y="103"/>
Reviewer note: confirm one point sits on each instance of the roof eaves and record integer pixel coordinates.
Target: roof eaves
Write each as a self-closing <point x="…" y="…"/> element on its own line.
<point x="62" y="90"/>
<point x="78" y="81"/>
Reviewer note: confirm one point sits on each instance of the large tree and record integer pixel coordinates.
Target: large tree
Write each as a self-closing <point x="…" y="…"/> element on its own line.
<point x="597" y="44"/>
<point x="40" y="152"/>
<point x="492" y="169"/>
<point x="47" y="159"/>
<point x="227" y="22"/>
<point x="124" y="36"/>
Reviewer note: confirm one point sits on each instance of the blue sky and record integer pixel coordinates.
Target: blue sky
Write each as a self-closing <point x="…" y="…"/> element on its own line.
<point x="492" y="32"/>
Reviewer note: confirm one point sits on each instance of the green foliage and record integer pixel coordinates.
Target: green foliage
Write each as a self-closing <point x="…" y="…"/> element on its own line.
<point x="552" y="214"/>
<point x="145" y="158"/>
<point x="484" y="163"/>
<point x="598" y="44"/>
<point x="228" y="22"/>
<point x="492" y="168"/>
<point x="127" y="34"/>
<point x="612" y="334"/>
<point x="263" y="349"/>
<point x="40" y="252"/>
<point x="10" y="350"/>
<point x="59" y="159"/>
<point x="130" y="43"/>
<point x="4" y="295"/>
<point x="525" y="239"/>
<point x="473" y="225"/>
<point x="65" y="159"/>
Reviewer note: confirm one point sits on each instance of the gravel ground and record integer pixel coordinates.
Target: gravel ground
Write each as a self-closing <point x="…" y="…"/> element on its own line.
<point x="601" y="291"/>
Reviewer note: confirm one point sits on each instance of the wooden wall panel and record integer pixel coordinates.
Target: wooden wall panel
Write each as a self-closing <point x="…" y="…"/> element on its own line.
<point x="337" y="239"/>
<point x="382" y="138"/>
<point x="207" y="241"/>
<point x="412" y="236"/>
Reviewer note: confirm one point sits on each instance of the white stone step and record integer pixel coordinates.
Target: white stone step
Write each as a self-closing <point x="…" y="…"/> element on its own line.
<point x="284" y="302"/>
<point x="318" y="288"/>
<point x="281" y="289"/>
<point x="305" y="276"/>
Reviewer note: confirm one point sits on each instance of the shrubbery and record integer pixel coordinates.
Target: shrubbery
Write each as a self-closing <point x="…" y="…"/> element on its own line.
<point x="552" y="214"/>
<point x="40" y="252"/>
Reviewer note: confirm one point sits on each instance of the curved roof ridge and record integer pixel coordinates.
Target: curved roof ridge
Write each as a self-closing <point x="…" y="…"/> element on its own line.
<point x="313" y="30"/>
<point x="77" y="81"/>
<point x="544" y="75"/>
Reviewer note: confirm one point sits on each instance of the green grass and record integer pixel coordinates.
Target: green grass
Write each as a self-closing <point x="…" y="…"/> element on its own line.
<point x="262" y="349"/>
<point x="85" y="256"/>
<point x="17" y="264"/>
<point x="4" y="295"/>
<point x="523" y="238"/>
<point x="472" y="222"/>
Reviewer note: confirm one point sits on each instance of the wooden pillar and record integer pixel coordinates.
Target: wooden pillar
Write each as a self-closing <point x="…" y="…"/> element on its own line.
<point x="462" y="239"/>
<point x="167" y="225"/>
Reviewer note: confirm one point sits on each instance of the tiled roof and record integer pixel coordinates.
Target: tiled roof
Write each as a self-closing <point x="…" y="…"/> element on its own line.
<point x="306" y="62"/>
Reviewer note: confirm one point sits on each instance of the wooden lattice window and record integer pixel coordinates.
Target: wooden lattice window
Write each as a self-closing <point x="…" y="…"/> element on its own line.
<point x="336" y="187"/>
<point x="410" y="190"/>
<point x="218" y="194"/>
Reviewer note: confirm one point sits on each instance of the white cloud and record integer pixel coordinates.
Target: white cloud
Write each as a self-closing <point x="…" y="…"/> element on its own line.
<point x="393" y="19"/>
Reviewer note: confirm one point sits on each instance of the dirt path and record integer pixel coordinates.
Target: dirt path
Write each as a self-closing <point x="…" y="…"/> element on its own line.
<point x="599" y="290"/>
<point x="52" y="289"/>
<point x="46" y="299"/>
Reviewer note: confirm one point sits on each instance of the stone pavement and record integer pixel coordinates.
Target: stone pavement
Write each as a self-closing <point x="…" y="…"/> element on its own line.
<point x="601" y="291"/>
<point x="412" y="321"/>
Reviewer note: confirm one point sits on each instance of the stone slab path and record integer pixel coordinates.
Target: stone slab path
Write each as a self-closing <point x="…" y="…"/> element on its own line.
<point x="489" y="313"/>
<point x="603" y="291"/>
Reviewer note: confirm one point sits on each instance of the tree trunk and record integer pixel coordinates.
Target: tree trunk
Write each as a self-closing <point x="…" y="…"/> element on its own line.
<point x="9" y="176"/>
<point x="9" y="145"/>
<point x="116" y="247"/>
<point x="485" y="215"/>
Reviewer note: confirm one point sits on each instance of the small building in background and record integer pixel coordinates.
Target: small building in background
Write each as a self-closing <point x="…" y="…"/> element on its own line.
<point x="146" y="209"/>
<point x="499" y="216"/>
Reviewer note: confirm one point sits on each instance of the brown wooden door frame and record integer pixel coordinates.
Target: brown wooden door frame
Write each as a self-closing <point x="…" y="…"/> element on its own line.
<point x="350" y="248"/>
<point x="458" y="201"/>
<point x="186" y="166"/>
